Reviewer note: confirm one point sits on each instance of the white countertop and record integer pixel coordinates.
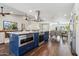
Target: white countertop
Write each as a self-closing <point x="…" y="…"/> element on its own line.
<point x="23" y="32"/>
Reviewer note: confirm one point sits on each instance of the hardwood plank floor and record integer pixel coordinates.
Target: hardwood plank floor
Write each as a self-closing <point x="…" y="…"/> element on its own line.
<point x="52" y="48"/>
<point x="4" y="51"/>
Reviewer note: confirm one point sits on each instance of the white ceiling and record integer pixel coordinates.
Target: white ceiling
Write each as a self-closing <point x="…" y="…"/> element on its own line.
<point x="10" y="9"/>
<point x="48" y="10"/>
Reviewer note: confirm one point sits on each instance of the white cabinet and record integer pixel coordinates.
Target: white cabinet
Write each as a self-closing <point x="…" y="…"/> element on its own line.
<point x="2" y="37"/>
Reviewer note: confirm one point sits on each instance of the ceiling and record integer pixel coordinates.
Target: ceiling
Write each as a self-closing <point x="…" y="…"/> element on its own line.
<point x="49" y="11"/>
<point x="8" y="9"/>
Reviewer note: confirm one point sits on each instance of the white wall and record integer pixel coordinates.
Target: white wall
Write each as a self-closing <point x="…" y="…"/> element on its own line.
<point x="53" y="26"/>
<point x="76" y="10"/>
<point x="77" y="40"/>
<point x="29" y="25"/>
<point x="58" y="22"/>
<point x="17" y="19"/>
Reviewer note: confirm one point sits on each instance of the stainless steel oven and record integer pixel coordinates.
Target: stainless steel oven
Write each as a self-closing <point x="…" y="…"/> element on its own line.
<point x="25" y="39"/>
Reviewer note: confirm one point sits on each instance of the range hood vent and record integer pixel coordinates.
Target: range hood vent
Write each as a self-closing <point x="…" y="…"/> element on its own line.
<point x="38" y="19"/>
<point x="35" y="18"/>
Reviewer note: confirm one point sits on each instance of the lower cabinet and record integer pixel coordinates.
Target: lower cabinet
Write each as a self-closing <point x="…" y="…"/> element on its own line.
<point x="2" y="37"/>
<point x="19" y="48"/>
<point x="26" y="48"/>
<point x="46" y="36"/>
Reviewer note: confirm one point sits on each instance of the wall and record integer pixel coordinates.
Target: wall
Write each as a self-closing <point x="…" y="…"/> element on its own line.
<point x="31" y="25"/>
<point x="19" y="19"/>
<point x="76" y="11"/>
<point x="53" y="26"/>
<point x="77" y="39"/>
<point x="58" y="22"/>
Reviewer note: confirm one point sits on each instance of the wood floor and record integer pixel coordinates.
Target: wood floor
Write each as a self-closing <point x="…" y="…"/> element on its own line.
<point x="4" y="51"/>
<point x="52" y="48"/>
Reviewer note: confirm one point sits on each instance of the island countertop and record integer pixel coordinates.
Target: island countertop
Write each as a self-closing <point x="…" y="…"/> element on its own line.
<point x="22" y="32"/>
<point x="25" y="32"/>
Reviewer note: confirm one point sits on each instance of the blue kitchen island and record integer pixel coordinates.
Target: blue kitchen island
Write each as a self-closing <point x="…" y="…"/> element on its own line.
<point x="22" y="42"/>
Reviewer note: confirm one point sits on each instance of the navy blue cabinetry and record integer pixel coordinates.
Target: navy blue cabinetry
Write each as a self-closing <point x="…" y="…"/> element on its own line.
<point x="13" y="44"/>
<point x="25" y="48"/>
<point x="22" y="43"/>
<point x="46" y="36"/>
<point x="36" y="39"/>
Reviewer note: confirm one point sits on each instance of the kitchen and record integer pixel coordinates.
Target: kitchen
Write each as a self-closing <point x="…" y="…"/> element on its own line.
<point x="17" y="24"/>
<point x="24" y="31"/>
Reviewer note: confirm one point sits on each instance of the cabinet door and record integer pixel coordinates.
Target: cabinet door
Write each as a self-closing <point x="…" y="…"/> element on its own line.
<point x="2" y="35"/>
